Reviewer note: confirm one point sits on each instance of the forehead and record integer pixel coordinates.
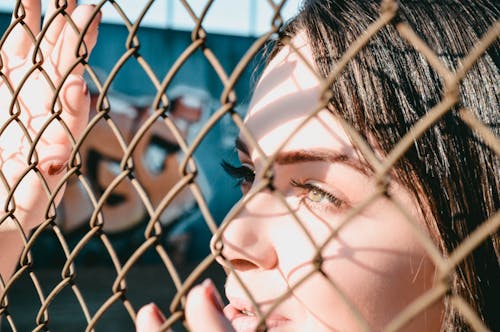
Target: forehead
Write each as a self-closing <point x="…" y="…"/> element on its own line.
<point x="288" y="92"/>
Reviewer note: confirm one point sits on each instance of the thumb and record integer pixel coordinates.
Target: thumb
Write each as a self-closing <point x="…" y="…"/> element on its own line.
<point x="204" y="310"/>
<point x="149" y="319"/>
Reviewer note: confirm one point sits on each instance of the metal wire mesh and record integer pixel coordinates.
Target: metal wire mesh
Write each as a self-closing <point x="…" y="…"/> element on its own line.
<point x="188" y="168"/>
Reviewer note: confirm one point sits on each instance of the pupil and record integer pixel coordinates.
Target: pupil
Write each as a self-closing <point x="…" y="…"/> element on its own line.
<point x="315" y="195"/>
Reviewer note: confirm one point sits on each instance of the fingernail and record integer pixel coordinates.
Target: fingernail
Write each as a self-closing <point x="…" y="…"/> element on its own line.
<point x="213" y="294"/>
<point x="85" y="89"/>
<point x="56" y="168"/>
<point x="157" y="313"/>
<point x="99" y="16"/>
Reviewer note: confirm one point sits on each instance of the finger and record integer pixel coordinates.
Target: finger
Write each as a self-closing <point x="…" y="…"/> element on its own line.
<point x="76" y="104"/>
<point x="149" y="319"/>
<point x="55" y="24"/>
<point x="204" y="310"/>
<point x="54" y="149"/>
<point x="68" y="49"/>
<point x="20" y="40"/>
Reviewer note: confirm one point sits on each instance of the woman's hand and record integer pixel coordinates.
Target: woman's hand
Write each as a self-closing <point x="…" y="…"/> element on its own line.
<point x="203" y="312"/>
<point x="35" y="73"/>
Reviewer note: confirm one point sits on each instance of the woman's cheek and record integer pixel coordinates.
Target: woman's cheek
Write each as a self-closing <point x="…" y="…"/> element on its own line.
<point x="333" y="294"/>
<point x="368" y="274"/>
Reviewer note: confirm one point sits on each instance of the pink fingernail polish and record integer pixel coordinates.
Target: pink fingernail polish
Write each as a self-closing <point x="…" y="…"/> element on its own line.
<point x="57" y="168"/>
<point x="99" y="16"/>
<point x="213" y="294"/>
<point x="157" y="313"/>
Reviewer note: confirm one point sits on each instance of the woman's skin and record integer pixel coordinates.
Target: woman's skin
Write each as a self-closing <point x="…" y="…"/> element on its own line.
<point x="34" y="108"/>
<point x="376" y="259"/>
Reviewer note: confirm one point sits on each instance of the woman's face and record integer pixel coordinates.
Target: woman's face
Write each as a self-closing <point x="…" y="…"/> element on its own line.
<point x="374" y="264"/>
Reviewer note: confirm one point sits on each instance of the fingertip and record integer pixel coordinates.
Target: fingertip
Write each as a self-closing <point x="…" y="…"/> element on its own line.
<point x="149" y="318"/>
<point x="98" y="17"/>
<point x="87" y="20"/>
<point x="69" y="48"/>
<point x="204" y="309"/>
<point x="83" y="13"/>
<point x="26" y="17"/>
<point x="212" y="294"/>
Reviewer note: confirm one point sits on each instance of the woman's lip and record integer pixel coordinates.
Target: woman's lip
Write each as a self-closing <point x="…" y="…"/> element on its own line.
<point x="245" y="323"/>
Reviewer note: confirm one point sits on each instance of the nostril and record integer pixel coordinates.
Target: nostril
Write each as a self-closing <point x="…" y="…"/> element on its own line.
<point x="243" y="264"/>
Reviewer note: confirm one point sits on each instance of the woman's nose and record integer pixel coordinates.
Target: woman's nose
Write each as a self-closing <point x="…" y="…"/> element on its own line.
<point x="246" y="239"/>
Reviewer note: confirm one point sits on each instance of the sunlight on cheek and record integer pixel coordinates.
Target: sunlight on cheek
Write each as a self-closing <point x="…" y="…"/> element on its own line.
<point x="376" y="276"/>
<point x="295" y="248"/>
<point x="322" y="300"/>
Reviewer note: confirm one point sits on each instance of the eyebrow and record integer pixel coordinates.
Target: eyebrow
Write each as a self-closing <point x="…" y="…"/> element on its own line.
<point x="301" y="156"/>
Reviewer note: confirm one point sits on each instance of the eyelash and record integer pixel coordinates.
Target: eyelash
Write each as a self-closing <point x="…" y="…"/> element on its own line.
<point x="310" y="188"/>
<point x="244" y="175"/>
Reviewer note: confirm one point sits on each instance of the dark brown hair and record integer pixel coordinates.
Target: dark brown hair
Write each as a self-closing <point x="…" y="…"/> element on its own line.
<point x="389" y="86"/>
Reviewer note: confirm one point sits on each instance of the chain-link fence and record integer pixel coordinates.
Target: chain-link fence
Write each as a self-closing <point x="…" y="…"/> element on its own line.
<point x="181" y="189"/>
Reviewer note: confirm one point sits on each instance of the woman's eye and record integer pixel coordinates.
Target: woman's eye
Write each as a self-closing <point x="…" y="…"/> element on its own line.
<point x="316" y="195"/>
<point x="244" y="174"/>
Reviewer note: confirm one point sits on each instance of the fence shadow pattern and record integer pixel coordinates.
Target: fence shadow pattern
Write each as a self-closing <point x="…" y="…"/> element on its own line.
<point x="188" y="168"/>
